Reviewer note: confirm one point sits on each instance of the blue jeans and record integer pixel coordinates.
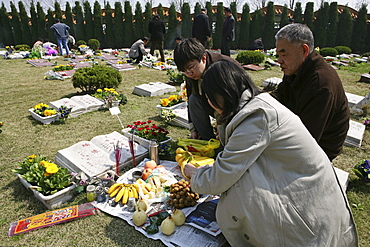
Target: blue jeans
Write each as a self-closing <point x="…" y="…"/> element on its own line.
<point x="62" y="42"/>
<point x="199" y="112"/>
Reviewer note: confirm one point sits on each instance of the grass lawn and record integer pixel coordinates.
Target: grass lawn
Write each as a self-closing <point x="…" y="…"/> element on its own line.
<point x="22" y="86"/>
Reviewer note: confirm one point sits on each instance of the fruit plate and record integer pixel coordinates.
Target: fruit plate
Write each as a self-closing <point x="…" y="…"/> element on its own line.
<point x="51" y="201"/>
<point x="156" y="196"/>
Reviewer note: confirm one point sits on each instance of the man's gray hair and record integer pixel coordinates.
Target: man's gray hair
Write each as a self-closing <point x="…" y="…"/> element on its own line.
<point x="296" y="33"/>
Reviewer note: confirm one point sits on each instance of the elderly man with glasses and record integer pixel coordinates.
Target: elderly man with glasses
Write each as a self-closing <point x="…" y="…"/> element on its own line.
<point x="191" y="58"/>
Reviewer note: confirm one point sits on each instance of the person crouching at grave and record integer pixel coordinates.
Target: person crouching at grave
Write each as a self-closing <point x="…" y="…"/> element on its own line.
<point x="277" y="185"/>
<point x="192" y="58"/>
<point x="311" y="88"/>
<point x="137" y="50"/>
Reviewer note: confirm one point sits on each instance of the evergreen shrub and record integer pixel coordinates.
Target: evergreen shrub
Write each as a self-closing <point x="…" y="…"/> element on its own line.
<point x="22" y="47"/>
<point x="80" y="42"/>
<point x="328" y="51"/>
<point x="366" y="54"/>
<point x="343" y="49"/>
<point x="93" y="44"/>
<point x="250" y="57"/>
<point x="98" y="76"/>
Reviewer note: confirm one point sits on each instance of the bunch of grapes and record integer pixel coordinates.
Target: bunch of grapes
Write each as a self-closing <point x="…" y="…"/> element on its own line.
<point x="181" y="195"/>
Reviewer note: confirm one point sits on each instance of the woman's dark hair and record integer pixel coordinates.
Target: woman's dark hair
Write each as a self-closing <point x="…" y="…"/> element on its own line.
<point x="186" y="51"/>
<point x="228" y="80"/>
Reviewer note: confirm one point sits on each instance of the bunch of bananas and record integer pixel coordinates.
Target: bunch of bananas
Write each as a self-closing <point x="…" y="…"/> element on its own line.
<point x="183" y="157"/>
<point x="123" y="191"/>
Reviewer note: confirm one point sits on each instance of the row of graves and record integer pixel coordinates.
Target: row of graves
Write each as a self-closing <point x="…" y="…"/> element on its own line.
<point x="105" y="162"/>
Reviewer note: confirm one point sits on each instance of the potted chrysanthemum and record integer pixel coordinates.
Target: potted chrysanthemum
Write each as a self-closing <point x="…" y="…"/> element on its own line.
<point x="50" y="183"/>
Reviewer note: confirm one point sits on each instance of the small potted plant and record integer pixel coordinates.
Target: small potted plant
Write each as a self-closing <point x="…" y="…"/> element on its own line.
<point x="176" y="78"/>
<point x="146" y="131"/>
<point x="362" y="170"/>
<point x="110" y="96"/>
<point x="43" y="113"/>
<point x="50" y="183"/>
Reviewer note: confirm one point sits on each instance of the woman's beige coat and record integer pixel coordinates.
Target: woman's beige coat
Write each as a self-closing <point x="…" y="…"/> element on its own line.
<point x="277" y="186"/>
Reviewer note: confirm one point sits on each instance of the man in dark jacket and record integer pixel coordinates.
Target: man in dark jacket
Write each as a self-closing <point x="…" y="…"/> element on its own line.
<point x="61" y="34"/>
<point x="157" y="31"/>
<point x="191" y="57"/>
<point x="311" y="88"/>
<point x="228" y="34"/>
<point x="201" y="30"/>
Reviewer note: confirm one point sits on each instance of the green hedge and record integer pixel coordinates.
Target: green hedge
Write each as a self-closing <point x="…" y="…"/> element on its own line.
<point x="22" y="47"/>
<point x="343" y="49"/>
<point x="328" y="51"/>
<point x="98" y="76"/>
<point x="93" y="44"/>
<point x="250" y="57"/>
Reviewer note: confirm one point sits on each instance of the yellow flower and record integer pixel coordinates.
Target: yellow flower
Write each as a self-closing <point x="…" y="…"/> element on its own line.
<point x="164" y="102"/>
<point x="32" y="156"/>
<point x="52" y="168"/>
<point x="172" y="98"/>
<point x="49" y="112"/>
<point x="99" y="90"/>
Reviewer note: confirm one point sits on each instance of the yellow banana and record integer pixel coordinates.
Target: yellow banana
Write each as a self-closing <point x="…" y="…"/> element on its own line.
<point x="203" y="162"/>
<point x="130" y="193"/>
<point x="180" y="151"/>
<point x="113" y="187"/>
<point x="178" y="156"/>
<point x="136" y="193"/>
<point x="120" y="194"/>
<point x="182" y="166"/>
<point x="125" y="195"/>
<point x="115" y="192"/>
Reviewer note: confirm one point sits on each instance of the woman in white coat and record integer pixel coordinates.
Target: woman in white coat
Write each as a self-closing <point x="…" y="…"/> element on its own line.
<point x="277" y="187"/>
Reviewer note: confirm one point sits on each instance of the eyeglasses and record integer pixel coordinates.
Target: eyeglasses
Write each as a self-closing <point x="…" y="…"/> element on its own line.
<point x="191" y="68"/>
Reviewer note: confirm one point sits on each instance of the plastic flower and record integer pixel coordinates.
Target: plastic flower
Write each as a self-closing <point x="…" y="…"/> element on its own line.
<point x="148" y="131"/>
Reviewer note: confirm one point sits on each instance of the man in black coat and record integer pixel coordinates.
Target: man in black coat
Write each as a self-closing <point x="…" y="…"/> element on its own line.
<point x="228" y="34"/>
<point x="157" y="30"/>
<point x="201" y="30"/>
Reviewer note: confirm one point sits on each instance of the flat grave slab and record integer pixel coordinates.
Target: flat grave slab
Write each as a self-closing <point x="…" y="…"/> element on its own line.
<point x="153" y="89"/>
<point x="355" y="134"/>
<point x="39" y="62"/>
<point x="365" y="78"/>
<point x="82" y="65"/>
<point x="253" y="67"/>
<point x="123" y="67"/>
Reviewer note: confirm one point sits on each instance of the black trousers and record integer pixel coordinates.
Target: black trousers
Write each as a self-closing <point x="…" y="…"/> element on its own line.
<point x="157" y="45"/>
<point x="225" y="46"/>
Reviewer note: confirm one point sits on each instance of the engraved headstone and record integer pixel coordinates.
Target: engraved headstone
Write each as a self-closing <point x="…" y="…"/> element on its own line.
<point x="355" y="134"/>
<point x="153" y="89"/>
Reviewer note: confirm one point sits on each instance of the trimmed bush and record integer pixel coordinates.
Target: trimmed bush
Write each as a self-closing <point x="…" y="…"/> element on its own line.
<point x="250" y="57"/>
<point x="23" y="47"/>
<point x="80" y="42"/>
<point x="343" y="49"/>
<point x="328" y="51"/>
<point x="98" y="76"/>
<point x="93" y="44"/>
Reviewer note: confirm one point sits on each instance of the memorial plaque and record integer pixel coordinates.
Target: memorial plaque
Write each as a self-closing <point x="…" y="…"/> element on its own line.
<point x="355" y="134"/>
<point x="365" y="78"/>
<point x="153" y="89"/>
<point x="252" y="67"/>
<point x="353" y="99"/>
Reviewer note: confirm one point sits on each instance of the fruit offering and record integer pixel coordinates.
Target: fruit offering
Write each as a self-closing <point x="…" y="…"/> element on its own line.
<point x="181" y="195"/>
<point x="183" y="157"/>
<point x="122" y="191"/>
